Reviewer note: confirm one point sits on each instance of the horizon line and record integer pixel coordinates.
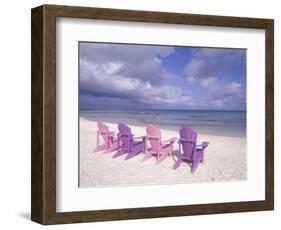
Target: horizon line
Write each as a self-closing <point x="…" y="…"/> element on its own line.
<point x="230" y="110"/>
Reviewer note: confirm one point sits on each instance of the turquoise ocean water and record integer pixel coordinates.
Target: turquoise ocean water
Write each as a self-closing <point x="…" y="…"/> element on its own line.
<point x="221" y="123"/>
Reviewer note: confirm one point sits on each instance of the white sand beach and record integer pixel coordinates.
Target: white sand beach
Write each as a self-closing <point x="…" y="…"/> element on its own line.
<point x="225" y="160"/>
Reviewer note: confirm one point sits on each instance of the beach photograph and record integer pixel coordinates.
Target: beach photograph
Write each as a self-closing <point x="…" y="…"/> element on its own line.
<point x="161" y="115"/>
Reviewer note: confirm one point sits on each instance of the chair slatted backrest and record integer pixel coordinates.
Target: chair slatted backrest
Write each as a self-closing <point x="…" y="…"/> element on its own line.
<point x="188" y="138"/>
<point x="104" y="130"/>
<point x="154" y="137"/>
<point x="126" y="136"/>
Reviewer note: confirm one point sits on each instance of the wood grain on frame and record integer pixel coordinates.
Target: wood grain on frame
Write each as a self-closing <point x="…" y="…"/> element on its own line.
<point x="43" y="159"/>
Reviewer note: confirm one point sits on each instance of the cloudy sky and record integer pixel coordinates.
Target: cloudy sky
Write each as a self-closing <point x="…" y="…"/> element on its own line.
<point x="119" y="76"/>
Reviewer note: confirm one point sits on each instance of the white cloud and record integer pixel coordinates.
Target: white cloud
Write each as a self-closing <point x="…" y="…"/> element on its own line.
<point x="191" y="79"/>
<point x="194" y="68"/>
<point x="107" y="79"/>
<point x="137" y="61"/>
<point x="208" y="61"/>
<point x="204" y="68"/>
<point x="222" y="93"/>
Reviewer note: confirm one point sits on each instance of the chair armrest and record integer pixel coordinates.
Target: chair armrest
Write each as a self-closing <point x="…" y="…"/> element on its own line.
<point x="128" y="135"/>
<point x="140" y="137"/>
<point x="204" y="144"/>
<point x="111" y="134"/>
<point x="100" y="133"/>
<point x="171" y="140"/>
<point x="152" y="137"/>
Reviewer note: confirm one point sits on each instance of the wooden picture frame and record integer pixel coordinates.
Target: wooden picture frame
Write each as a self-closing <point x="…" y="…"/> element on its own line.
<point x="43" y="160"/>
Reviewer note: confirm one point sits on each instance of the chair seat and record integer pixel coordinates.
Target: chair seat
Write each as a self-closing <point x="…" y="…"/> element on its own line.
<point x="199" y="155"/>
<point x="137" y="142"/>
<point x="165" y="145"/>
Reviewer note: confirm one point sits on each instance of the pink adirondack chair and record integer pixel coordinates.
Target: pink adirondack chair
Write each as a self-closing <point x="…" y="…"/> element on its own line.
<point x="109" y="139"/>
<point x="160" y="149"/>
<point x="128" y="143"/>
<point x="192" y="153"/>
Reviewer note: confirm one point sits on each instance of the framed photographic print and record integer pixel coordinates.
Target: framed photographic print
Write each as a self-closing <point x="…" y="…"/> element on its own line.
<point x="141" y="114"/>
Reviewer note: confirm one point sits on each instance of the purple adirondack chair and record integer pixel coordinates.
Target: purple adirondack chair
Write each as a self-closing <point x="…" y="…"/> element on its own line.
<point x="110" y="140"/>
<point x="160" y="149"/>
<point x="128" y="143"/>
<point x="192" y="153"/>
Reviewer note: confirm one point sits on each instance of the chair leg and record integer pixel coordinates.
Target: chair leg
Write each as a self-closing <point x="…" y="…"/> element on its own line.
<point x="111" y="148"/>
<point x="132" y="154"/>
<point x="194" y="165"/>
<point x="177" y="164"/>
<point x="147" y="156"/>
<point x="162" y="157"/>
<point x="171" y="152"/>
<point x="119" y="153"/>
<point x="202" y="159"/>
<point x="108" y="150"/>
<point x="99" y="148"/>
